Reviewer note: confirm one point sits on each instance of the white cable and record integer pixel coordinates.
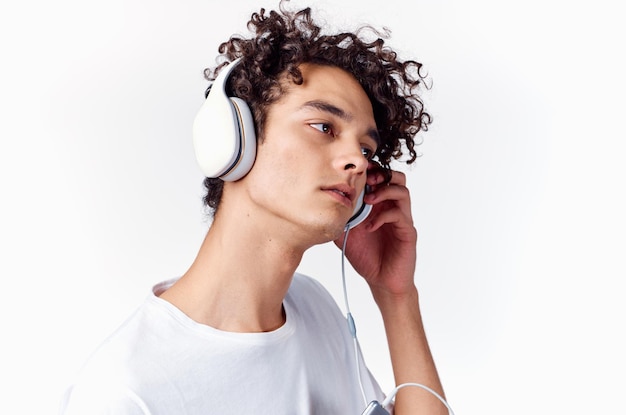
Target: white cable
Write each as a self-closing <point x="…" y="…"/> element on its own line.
<point x="357" y="351"/>
<point x="351" y="325"/>
<point x="343" y="271"/>
<point x="392" y="395"/>
<point x="358" y="369"/>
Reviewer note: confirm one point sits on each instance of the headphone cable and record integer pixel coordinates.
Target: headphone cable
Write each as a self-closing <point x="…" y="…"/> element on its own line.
<point x="351" y="325"/>
<point x="357" y="350"/>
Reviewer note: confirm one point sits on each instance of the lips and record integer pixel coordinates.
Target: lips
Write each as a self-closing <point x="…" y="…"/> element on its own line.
<point x="341" y="192"/>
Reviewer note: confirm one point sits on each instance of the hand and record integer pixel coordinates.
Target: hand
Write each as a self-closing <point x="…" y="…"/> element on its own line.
<point x="382" y="248"/>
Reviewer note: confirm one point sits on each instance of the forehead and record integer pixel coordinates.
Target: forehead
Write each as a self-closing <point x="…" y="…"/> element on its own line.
<point x="331" y="84"/>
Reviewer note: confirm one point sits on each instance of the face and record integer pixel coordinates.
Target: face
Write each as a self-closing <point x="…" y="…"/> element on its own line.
<point x="312" y="163"/>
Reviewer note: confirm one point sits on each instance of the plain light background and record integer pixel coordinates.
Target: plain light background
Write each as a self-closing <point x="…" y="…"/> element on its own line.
<point x="518" y="196"/>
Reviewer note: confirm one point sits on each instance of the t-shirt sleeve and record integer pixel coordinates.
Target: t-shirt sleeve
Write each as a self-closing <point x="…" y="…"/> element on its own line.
<point x="81" y="400"/>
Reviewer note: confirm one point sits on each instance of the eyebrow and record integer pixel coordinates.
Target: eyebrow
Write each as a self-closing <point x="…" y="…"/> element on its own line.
<point x="334" y="110"/>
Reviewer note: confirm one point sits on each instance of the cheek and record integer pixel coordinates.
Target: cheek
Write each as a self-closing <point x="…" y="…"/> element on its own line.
<point x="285" y="153"/>
<point x="278" y="165"/>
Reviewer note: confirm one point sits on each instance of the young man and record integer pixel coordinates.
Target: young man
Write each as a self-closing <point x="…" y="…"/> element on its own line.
<point x="241" y="332"/>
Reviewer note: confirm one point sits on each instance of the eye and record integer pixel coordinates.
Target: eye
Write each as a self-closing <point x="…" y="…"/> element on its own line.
<point x="367" y="153"/>
<point x="323" y="127"/>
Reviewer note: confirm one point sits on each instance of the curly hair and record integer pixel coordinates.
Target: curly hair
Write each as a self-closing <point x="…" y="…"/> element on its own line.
<point x="284" y="40"/>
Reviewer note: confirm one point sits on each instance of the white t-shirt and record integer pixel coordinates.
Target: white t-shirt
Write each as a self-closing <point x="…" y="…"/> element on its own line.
<point x="162" y="362"/>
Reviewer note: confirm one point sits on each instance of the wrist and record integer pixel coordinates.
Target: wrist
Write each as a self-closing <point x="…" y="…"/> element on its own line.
<point x="397" y="301"/>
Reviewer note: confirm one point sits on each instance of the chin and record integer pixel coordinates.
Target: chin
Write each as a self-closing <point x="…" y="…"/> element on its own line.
<point x="329" y="231"/>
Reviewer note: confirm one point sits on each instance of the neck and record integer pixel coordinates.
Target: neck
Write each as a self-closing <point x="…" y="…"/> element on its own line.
<point x="240" y="276"/>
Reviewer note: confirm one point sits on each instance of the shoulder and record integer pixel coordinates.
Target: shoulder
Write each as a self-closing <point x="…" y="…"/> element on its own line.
<point x="125" y="366"/>
<point x="85" y="398"/>
<point x="312" y="301"/>
<point x="306" y="288"/>
<point x="132" y="348"/>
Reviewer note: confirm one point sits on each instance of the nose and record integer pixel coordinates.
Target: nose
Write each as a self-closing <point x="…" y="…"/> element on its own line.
<point x="351" y="158"/>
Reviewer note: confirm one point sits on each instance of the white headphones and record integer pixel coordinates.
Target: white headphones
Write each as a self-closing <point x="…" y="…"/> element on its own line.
<point x="225" y="141"/>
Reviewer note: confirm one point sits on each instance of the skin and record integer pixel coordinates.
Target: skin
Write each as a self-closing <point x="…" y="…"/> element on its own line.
<point x="311" y="164"/>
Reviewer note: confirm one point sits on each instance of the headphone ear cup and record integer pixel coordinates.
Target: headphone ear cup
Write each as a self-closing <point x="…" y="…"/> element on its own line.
<point x="223" y="132"/>
<point x="361" y="212"/>
<point x="247" y="141"/>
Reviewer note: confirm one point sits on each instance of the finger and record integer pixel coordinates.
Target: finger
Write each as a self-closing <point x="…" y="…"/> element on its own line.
<point x="394" y="216"/>
<point x="376" y="174"/>
<point x="396" y="194"/>
<point x="397" y="177"/>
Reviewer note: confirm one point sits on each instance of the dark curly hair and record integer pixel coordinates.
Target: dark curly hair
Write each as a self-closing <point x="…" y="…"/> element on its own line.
<point x="284" y="40"/>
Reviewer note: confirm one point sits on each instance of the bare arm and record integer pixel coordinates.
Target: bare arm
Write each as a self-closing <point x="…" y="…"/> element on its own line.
<point x="410" y="354"/>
